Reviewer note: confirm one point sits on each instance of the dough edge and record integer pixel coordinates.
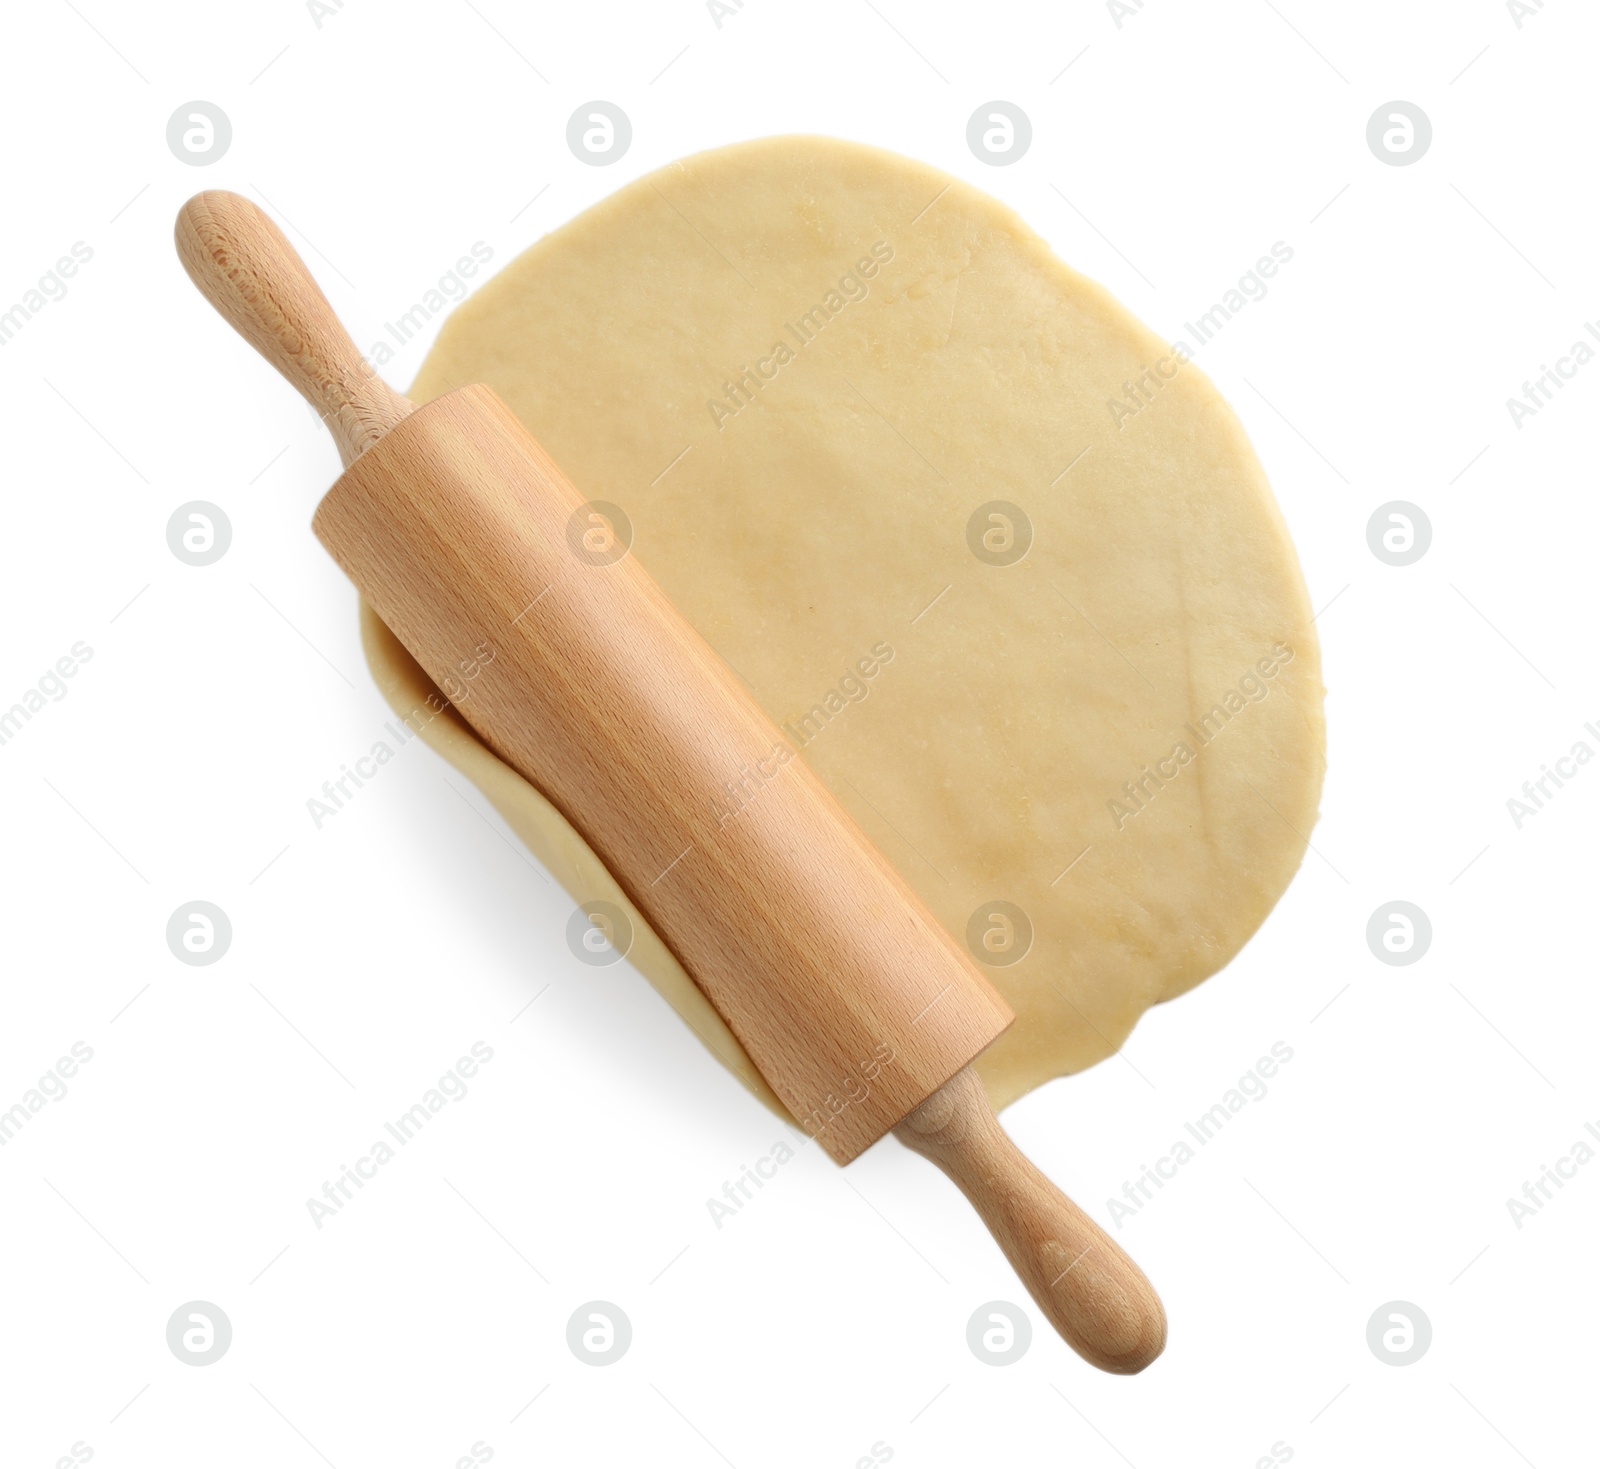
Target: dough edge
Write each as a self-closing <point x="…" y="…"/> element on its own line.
<point x="560" y="847"/>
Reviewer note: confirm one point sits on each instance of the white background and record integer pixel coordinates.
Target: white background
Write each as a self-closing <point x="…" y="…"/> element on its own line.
<point x="830" y="1314"/>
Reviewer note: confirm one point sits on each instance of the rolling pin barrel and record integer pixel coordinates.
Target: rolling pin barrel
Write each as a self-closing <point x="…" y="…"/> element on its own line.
<point x="523" y="605"/>
<point x="520" y="599"/>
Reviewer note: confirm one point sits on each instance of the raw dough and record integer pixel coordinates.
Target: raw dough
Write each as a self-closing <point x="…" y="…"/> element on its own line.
<point x="1115" y="742"/>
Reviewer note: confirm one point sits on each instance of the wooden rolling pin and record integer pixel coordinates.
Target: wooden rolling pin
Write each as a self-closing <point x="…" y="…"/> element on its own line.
<point x="859" y="1009"/>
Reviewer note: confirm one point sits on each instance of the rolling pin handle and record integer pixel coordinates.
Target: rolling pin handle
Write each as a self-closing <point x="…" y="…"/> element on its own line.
<point x="1092" y="1293"/>
<point x="245" y="267"/>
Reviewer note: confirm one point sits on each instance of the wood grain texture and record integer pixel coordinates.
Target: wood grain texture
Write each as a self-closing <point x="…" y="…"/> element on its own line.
<point x="1092" y="1293"/>
<point x="569" y="662"/>
<point x="851" y="998"/>
<point x="245" y="267"/>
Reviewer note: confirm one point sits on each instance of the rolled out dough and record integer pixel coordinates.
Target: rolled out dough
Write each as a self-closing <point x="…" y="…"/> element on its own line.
<point x="820" y="380"/>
